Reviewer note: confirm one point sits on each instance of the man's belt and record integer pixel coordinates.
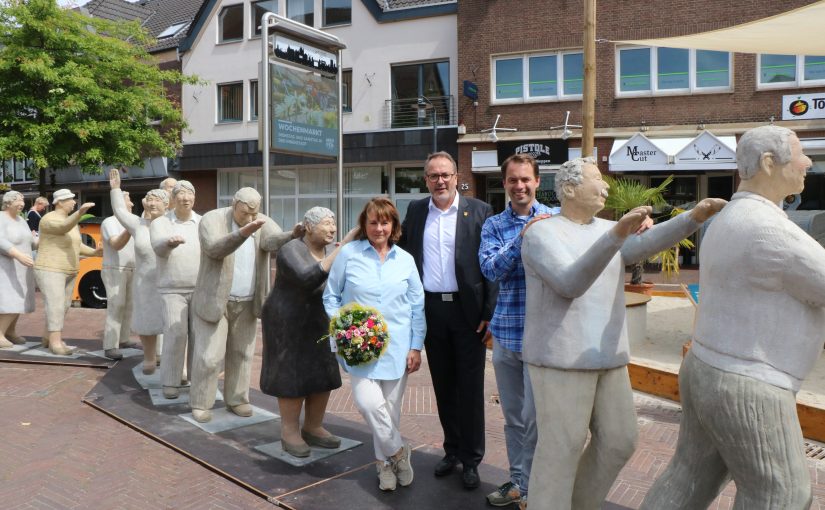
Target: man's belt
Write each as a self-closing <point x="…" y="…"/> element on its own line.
<point x="442" y="296"/>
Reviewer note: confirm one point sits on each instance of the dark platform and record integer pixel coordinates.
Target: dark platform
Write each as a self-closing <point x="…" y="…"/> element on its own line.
<point x="345" y="480"/>
<point x="32" y="352"/>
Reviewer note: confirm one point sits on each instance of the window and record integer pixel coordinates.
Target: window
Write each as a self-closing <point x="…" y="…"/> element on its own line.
<point x="230" y="23"/>
<point x="783" y="71"/>
<point x="346" y="90"/>
<point x="301" y="11"/>
<point x="253" y="100"/>
<point x="409" y="82"/>
<point x="173" y="30"/>
<point x="537" y="77"/>
<point x="649" y="71"/>
<point x="258" y="10"/>
<point x="337" y="12"/>
<point x="230" y="102"/>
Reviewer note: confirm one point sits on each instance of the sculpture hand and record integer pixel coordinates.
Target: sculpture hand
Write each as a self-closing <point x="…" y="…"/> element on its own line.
<point x="174" y="241"/>
<point x="631" y="221"/>
<point x="114" y="178"/>
<point x="252" y="227"/>
<point x="85" y="208"/>
<point x="351" y="235"/>
<point x="535" y="218"/>
<point x="707" y="208"/>
<point x="645" y="225"/>
<point x="21" y="257"/>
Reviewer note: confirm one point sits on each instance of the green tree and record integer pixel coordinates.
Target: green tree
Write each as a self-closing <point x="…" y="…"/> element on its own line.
<point x="81" y="91"/>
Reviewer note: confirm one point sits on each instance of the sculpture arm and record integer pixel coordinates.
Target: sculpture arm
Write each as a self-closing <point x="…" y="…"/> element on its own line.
<point x="160" y="231"/>
<point x="214" y="243"/>
<point x="272" y="237"/>
<point x="637" y="248"/>
<point x="796" y="260"/>
<point x="334" y="291"/>
<point x="129" y="221"/>
<point x="88" y="252"/>
<point x="58" y="225"/>
<point x="569" y="277"/>
<point x="498" y="258"/>
<point x="5" y="244"/>
<point x="302" y="272"/>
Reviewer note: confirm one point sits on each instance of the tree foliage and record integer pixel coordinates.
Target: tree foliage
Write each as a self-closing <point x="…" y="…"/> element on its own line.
<point x="81" y="91"/>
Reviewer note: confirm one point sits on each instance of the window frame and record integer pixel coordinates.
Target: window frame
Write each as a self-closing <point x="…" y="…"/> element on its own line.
<point x="800" y="81"/>
<point x="253" y="23"/>
<point x="346" y="92"/>
<point x="253" y="100"/>
<point x="221" y="13"/>
<point x="525" y="78"/>
<point x="654" y="75"/>
<point x="218" y="87"/>
<point x="324" y="23"/>
<point x="286" y="12"/>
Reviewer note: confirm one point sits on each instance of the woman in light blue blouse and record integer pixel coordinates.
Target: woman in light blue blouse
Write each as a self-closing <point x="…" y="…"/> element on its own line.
<point x="374" y="272"/>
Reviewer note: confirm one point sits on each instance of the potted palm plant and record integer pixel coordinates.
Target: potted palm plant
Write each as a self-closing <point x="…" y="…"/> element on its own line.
<point x="624" y="195"/>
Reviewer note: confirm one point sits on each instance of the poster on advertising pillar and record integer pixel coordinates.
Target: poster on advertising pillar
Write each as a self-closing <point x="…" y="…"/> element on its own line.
<point x="303" y="99"/>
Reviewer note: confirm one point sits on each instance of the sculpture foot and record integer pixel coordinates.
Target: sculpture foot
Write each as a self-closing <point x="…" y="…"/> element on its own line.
<point x="243" y="410"/>
<point x="170" y="392"/>
<point x="202" y="415"/>
<point x="114" y="354"/>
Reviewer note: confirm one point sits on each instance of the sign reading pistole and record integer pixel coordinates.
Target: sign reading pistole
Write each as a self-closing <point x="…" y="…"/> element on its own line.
<point x="304" y="99"/>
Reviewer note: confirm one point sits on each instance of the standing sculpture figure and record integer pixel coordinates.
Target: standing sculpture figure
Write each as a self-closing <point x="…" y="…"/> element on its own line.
<point x="147" y="310"/>
<point x="58" y="259"/>
<point x="375" y="272"/>
<point x="759" y="331"/>
<point x="297" y="368"/>
<point x="168" y="185"/>
<point x="575" y="337"/>
<point x="231" y="286"/>
<point x="175" y="241"/>
<point x="16" y="275"/>
<point x="118" y="278"/>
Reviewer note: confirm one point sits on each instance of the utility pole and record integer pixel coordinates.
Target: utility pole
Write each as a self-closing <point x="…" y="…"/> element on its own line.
<point x="589" y="92"/>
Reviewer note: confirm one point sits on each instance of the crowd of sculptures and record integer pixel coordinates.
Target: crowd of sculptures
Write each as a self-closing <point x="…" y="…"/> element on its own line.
<point x="545" y="284"/>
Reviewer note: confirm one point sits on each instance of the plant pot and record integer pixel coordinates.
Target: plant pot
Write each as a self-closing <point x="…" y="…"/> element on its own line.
<point x="642" y="288"/>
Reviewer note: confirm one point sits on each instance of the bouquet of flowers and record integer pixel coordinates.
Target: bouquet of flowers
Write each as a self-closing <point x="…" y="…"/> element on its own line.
<point x="360" y="334"/>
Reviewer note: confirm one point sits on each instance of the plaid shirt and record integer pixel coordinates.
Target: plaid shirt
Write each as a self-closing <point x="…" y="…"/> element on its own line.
<point x="500" y="259"/>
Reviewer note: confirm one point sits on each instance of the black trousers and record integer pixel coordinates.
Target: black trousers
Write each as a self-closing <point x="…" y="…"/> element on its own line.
<point x="457" y="358"/>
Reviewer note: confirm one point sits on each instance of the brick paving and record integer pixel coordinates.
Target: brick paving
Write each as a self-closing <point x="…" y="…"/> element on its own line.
<point x="58" y="453"/>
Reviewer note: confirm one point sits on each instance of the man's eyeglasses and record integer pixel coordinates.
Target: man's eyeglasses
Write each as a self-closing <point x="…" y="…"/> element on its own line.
<point x="436" y="177"/>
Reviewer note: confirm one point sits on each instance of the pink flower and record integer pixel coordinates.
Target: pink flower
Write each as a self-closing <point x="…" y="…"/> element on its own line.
<point x="370" y="323"/>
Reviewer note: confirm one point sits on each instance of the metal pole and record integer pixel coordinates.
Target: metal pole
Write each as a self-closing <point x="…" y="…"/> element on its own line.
<point x="339" y="198"/>
<point x="265" y="113"/>
<point x="435" y="132"/>
<point x="589" y="92"/>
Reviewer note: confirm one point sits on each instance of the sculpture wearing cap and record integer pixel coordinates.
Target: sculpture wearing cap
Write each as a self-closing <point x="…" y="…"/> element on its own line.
<point x="58" y="257"/>
<point x="759" y="331"/>
<point x="234" y="269"/>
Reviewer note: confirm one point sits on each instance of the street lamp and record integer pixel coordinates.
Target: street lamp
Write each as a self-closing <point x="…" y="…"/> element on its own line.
<point x="422" y="105"/>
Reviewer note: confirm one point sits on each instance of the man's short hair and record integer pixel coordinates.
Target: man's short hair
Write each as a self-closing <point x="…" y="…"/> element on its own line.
<point x="758" y="141"/>
<point x="440" y="154"/>
<point x="520" y="159"/>
<point x="41" y="200"/>
<point x="160" y="194"/>
<point x="182" y="185"/>
<point x="248" y="196"/>
<point x="571" y="172"/>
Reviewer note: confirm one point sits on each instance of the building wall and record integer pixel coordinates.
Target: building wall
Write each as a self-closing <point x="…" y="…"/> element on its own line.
<point x="371" y="50"/>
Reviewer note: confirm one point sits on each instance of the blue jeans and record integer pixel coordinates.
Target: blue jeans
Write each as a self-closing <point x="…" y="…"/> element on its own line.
<point x="516" y="397"/>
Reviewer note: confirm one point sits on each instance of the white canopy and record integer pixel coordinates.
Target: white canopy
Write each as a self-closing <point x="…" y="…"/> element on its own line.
<point x="796" y="32"/>
<point x="705" y="152"/>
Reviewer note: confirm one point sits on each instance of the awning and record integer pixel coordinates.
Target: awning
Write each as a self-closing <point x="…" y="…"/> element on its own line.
<point x="796" y="32"/>
<point x="705" y="152"/>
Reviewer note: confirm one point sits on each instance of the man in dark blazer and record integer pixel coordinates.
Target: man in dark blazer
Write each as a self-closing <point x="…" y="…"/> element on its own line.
<point x="443" y="234"/>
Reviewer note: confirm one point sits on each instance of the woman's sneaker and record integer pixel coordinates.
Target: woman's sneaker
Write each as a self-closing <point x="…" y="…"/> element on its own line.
<point x="506" y="494"/>
<point x="386" y="476"/>
<point x="403" y="467"/>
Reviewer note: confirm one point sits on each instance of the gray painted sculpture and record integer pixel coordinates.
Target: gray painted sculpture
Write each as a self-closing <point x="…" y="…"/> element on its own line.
<point x="759" y="331"/>
<point x="147" y="312"/>
<point x="230" y="289"/>
<point x="575" y="339"/>
<point x="58" y="259"/>
<point x="16" y="275"/>
<point x="174" y="239"/>
<point x="118" y="278"/>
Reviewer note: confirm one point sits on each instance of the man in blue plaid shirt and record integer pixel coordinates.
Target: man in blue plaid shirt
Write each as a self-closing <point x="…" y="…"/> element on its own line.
<point x="500" y="259"/>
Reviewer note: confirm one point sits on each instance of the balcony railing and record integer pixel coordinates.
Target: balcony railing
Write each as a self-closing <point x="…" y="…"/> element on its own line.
<point x="402" y="113"/>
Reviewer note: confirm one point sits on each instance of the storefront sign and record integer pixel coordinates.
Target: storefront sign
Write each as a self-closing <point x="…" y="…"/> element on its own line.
<point x="803" y="106"/>
<point x="637" y="152"/>
<point x="470" y="90"/>
<point x="546" y="152"/>
<point x="705" y="152"/>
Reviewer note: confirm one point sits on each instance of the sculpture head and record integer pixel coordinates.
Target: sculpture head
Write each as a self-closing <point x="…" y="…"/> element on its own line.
<point x="63" y="200"/>
<point x="319" y="226"/>
<point x="13" y="201"/>
<point x="128" y="201"/>
<point x="183" y="195"/>
<point x="771" y="162"/>
<point x="520" y="174"/>
<point x="440" y="171"/>
<point x="245" y="205"/>
<point x="155" y="202"/>
<point x="168" y="185"/>
<point x="580" y="186"/>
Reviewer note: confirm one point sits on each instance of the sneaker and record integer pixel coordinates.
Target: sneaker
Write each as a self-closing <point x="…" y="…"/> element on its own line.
<point x="522" y="505"/>
<point x="403" y="468"/>
<point x="386" y="476"/>
<point x="506" y="494"/>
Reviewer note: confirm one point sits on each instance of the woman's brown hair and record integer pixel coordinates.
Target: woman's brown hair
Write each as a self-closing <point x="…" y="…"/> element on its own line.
<point x="383" y="209"/>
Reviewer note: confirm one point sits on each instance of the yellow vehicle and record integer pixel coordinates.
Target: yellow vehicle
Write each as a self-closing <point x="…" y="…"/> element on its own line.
<point x="89" y="290"/>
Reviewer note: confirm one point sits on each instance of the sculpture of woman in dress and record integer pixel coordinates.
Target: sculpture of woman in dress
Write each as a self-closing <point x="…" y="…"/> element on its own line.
<point x="16" y="276"/>
<point x="297" y="368"/>
<point x="147" y="316"/>
<point x="58" y="259"/>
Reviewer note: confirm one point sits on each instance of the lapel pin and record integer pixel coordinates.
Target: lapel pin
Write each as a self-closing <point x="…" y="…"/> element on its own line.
<point x="466" y="213"/>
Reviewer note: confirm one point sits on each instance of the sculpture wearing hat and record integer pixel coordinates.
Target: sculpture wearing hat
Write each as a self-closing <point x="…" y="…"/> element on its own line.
<point x="16" y="276"/>
<point x="57" y="263"/>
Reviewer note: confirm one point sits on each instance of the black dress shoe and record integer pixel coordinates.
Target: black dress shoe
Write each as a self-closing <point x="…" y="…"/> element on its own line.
<point x="470" y="477"/>
<point x="446" y="465"/>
